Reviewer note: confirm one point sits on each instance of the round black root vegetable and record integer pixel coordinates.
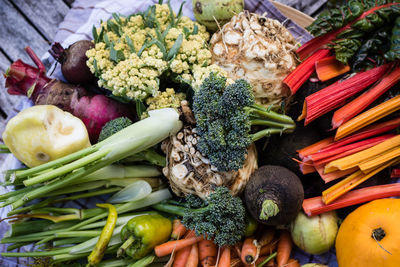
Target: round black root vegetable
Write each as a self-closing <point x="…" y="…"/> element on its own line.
<point x="73" y="61"/>
<point x="274" y="195"/>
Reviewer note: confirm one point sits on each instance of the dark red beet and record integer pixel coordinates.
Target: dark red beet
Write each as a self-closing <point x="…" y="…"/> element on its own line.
<point x="73" y="61"/>
<point x="94" y="110"/>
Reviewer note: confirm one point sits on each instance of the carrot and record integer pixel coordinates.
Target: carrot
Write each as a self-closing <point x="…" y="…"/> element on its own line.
<point x="267" y="249"/>
<point x="225" y="259"/>
<point x="182" y="256"/>
<point x="284" y="248"/>
<point x="293" y="263"/>
<point x="193" y="259"/>
<point x="207" y="253"/>
<point x="237" y="249"/>
<point x="249" y="250"/>
<point x="178" y="229"/>
<point x="168" y="247"/>
<point x="266" y="236"/>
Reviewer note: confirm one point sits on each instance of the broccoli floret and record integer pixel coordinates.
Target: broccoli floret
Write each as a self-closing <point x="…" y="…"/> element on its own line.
<point x="113" y="127"/>
<point x="149" y="155"/>
<point x="221" y="217"/>
<point x="225" y="115"/>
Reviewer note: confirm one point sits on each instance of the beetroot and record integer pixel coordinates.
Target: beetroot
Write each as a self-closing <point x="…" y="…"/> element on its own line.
<point x="94" y="110"/>
<point x="73" y="61"/>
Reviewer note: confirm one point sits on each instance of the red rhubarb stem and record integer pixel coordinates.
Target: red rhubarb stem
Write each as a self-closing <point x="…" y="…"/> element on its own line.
<point x="340" y="152"/>
<point x="356" y="106"/>
<point x="395" y="173"/>
<point x="35" y="59"/>
<point x="314" y="206"/>
<point x="322" y="41"/>
<point x="303" y="71"/>
<point x="336" y="94"/>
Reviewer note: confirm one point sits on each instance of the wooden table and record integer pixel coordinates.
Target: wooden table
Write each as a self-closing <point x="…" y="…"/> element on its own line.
<point x="35" y="23"/>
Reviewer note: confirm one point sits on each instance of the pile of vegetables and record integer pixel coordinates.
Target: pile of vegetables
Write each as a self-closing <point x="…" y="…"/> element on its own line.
<point x="171" y="131"/>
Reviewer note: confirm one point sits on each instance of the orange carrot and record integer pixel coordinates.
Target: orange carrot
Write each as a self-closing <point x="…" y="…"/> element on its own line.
<point x="168" y="247"/>
<point x="284" y="248"/>
<point x="225" y="259"/>
<point x="193" y="259"/>
<point x="178" y="229"/>
<point x="249" y="250"/>
<point x="182" y="257"/>
<point x="207" y="252"/>
<point x="293" y="263"/>
<point x="267" y="249"/>
<point x="237" y="249"/>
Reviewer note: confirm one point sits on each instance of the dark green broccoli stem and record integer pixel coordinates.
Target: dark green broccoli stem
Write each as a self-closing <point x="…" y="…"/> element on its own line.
<point x="279" y="123"/>
<point x="171" y="209"/>
<point x="149" y="155"/>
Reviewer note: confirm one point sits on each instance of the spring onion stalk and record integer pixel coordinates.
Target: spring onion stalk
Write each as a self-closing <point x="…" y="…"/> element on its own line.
<point x="129" y="141"/>
<point x="68" y="257"/>
<point x="67" y="241"/>
<point x="152" y="199"/>
<point x="17" y="245"/>
<point x="135" y="191"/>
<point x="143" y="261"/>
<point x="4" y="149"/>
<point x="121" y="220"/>
<point x="115" y="263"/>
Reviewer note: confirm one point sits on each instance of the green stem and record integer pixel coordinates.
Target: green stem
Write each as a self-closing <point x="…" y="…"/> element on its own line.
<point x="55" y="163"/>
<point x="17" y="245"/>
<point x="270" y="257"/>
<point x="269" y="209"/>
<point x="150" y="200"/>
<point x="265" y="113"/>
<point x="148" y="155"/>
<point x="146" y="261"/>
<point x="172" y="209"/>
<point x="31" y="207"/>
<point x="4" y="149"/>
<point x="80" y="188"/>
<point x="267" y="132"/>
<point x="37" y="253"/>
<point x="69" y="257"/>
<point x="125" y="246"/>
<point x="6" y="196"/>
<point x="272" y="124"/>
<point x="89" y="194"/>
<point x="26" y="227"/>
<point x="66" y="168"/>
<point x="67" y="234"/>
<point x="67" y="241"/>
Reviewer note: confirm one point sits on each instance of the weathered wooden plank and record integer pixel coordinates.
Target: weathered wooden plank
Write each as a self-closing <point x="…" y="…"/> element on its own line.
<point x="16" y="34"/>
<point x="44" y="15"/>
<point x="7" y="102"/>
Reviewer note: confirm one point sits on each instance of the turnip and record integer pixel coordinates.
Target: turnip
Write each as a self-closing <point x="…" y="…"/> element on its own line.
<point x="93" y="110"/>
<point x="73" y="61"/>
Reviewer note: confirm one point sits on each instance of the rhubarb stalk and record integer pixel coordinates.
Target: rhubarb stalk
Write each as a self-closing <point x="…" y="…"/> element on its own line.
<point x="336" y="94"/>
<point x="368" y="117"/>
<point x="354" y="107"/>
<point x="329" y="67"/>
<point x="314" y="206"/>
<point x="302" y="72"/>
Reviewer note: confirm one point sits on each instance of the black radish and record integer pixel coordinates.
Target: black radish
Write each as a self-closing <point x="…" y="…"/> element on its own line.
<point x="274" y="195"/>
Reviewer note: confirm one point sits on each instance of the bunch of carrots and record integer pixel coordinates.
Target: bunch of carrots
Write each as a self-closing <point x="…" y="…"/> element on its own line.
<point x="188" y="250"/>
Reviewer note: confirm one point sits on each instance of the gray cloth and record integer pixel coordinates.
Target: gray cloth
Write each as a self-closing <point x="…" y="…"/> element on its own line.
<point x="77" y="25"/>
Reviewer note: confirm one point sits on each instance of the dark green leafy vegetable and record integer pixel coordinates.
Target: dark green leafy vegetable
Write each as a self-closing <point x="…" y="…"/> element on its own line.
<point x="394" y="52"/>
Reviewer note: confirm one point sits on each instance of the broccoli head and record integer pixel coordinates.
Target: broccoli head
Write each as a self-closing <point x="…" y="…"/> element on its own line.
<point x="221" y="217"/>
<point x="225" y="115"/>
<point x="113" y="127"/>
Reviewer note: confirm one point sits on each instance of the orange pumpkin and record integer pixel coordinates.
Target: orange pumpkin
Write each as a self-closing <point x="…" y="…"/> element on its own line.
<point x="370" y="236"/>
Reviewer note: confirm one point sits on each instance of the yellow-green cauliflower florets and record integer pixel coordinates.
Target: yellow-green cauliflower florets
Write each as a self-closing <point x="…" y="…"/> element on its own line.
<point x="131" y="53"/>
<point x="167" y="99"/>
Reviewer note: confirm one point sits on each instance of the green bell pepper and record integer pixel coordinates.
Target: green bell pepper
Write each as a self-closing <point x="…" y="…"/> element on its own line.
<point x="142" y="233"/>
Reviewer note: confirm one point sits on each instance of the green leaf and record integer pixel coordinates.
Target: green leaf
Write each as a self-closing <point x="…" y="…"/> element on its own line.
<point x="100" y="37"/>
<point x="30" y="90"/>
<point x="186" y="32"/>
<point x="116" y="55"/>
<point x="164" y="34"/>
<point x="171" y="15"/>
<point x="140" y="107"/>
<point x="106" y="40"/>
<point x="144" y="46"/>
<point x="160" y="2"/>
<point x="180" y="13"/>
<point x="175" y="48"/>
<point x="94" y="33"/>
<point x="117" y="18"/>
<point x="195" y="29"/>
<point x="130" y="44"/>
<point x="96" y="69"/>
